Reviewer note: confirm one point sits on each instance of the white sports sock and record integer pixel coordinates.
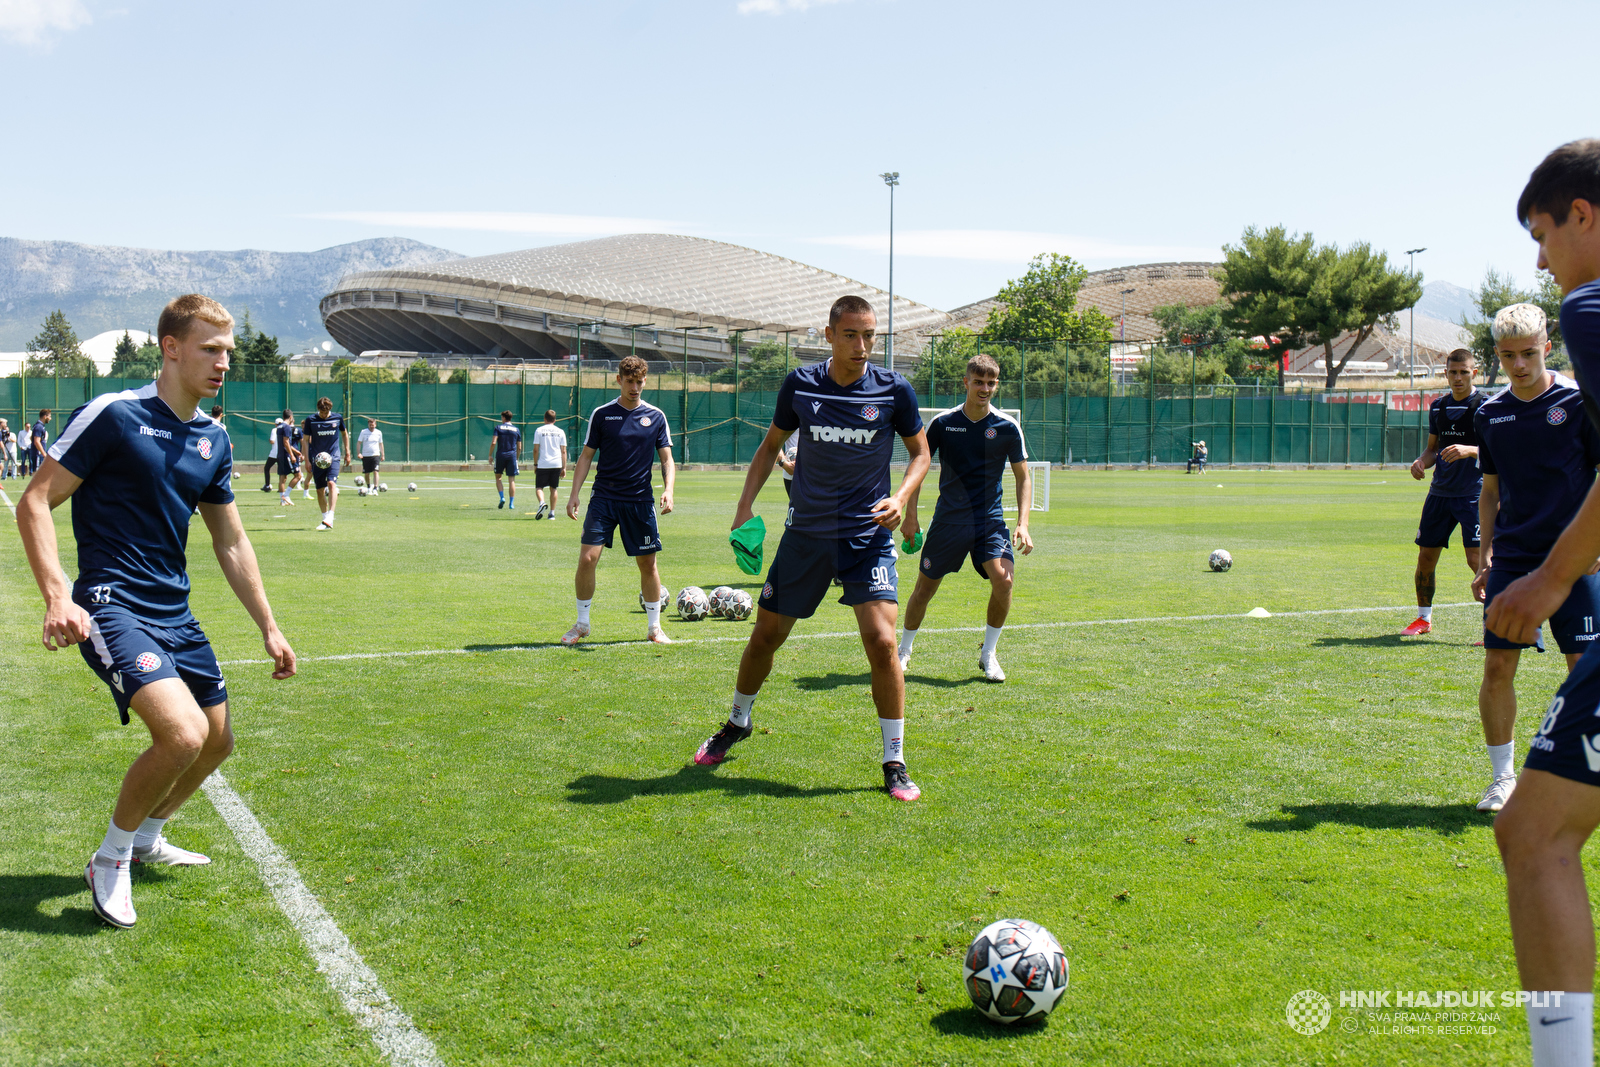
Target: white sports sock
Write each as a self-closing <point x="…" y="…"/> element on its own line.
<point x="583" y="611"/>
<point x="742" y="704"/>
<point x="118" y="843"/>
<point x="1562" y="1033"/>
<point x="907" y="638"/>
<point x="146" y="835"/>
<point x="894" y="740"/>
<point x="1500" y="759"/>
<point x="991" y="637"/>
<point x="652" y="612"/>
<point x="1425" y="612"/>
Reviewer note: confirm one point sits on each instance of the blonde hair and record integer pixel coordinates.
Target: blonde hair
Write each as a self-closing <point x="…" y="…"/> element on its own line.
<point x="1519" y="320"/>
<point x="181" y="312"/>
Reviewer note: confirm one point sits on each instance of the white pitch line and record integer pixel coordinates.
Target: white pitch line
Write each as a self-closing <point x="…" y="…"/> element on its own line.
<point x="392" y="1030"/>
<point x="9" y="504"/>
<point x="840" y="633"/>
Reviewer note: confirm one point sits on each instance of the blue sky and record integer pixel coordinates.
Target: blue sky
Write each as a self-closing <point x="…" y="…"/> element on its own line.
<point x="1114" y="132"/>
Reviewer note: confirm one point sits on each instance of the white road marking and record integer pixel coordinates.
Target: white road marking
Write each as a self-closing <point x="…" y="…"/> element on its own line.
<point x="840" y="633"/>
<point x="392" y="1030"/>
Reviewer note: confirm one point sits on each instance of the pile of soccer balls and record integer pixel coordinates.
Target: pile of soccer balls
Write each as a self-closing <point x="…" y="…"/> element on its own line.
<point x="372" y="490"/>
<point x="695" y="604"/>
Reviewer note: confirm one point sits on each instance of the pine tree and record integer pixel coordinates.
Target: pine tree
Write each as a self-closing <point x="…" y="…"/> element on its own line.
<point x="56" y="353"/>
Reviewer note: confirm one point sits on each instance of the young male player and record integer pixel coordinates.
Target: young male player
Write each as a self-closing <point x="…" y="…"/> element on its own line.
<point x="629" y="435"/>
<point x="1452" y="499"/>
<point x="1538" y="453"/>
<point x="38" y="440"/>
<point x="974" y="443"/>
<point x="369" y="445"/>
<point x="136" y="464"/>
<point x="507" y="448"/>
<point x="326" y="432"/>
<point x="289" y="457"/>
<point x="839" y="522"/>
<point x="1547" y="821"/>
<point x="549" y="465"/>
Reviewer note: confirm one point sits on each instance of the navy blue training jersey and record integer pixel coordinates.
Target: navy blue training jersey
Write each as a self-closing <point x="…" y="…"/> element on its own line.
<point x="1450" y="420"/>
<point x="325" y="434"/>
<point x="285" y="436"/>
<point x="1544" y="452"/>
<point x="39" y="431"/>
<point x="1580" y="332"/>
<point x="846" y="439"/>
<point x="507" y="440"/>
<point x="973" y="457"/>
<point x="627" y="442"/>
<point x="143" y="472"/>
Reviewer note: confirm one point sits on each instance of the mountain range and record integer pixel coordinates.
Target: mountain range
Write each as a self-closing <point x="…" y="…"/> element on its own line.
<point x="102" y="287"/>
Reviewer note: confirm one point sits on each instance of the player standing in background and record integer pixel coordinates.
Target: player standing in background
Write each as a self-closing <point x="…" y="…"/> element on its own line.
<point x="1556" y="807"/>
<point x="974" y="443"/>
<point x="288" y="456"/>
<point x="549" y="465"/>
<point x="1538" y="453"/>
<point x="786" y="458"/>
<point x="839" y="523"/>
<point x="1452" y="499"/>
<point x="8" y="451"/>
<point x="272" y="456"/>
<point x="369" y="446"/>
<point x="136" y="464"/>
<point x="326" y="432"/>
<point x="38" y="438"/>
<point x="629" y="435"/>
<point x="507" y="448"/>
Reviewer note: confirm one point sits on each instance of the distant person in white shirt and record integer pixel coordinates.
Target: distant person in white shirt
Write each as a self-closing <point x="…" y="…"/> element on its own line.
<point x="369" y="443"/>
<point x="551" y="441"/>
<point x="786" y="458"/>
<point x="8" y="451"/>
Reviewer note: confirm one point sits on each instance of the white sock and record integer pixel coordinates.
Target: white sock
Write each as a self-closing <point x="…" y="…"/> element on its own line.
<point x="652" y="612"/>
<point x="894" y="740"/>
<point x="1500" y="759"/>
<point x="1562" y="1033"/>
<point x="742" y="703"/>
<point x="146" y="835"/>
<point x="1425" y="612"/>
<point x="991" y="637"/>
<point x="906" y="640"/>
<point x="118" y="843"/>
<point x="583" y="611"/>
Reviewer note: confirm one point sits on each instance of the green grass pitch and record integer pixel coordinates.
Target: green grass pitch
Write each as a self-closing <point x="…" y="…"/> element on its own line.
<point x="1210" y="815"/>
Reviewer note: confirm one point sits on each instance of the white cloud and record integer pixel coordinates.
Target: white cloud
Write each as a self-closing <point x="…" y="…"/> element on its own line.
<point x="504" y="222"/>
<point x="28" y="22"/>
<point x="1014" y="246"/>
<point x="778" y="7"/>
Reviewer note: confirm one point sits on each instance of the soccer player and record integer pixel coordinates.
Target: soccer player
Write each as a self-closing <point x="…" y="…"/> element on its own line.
<point x="550" y="464"/>
<point x="507" y="447"/>
<point x="1452" y="499"/>
<point x="369" y="445"/>
<point x="8" y="451"/>
<point x="135" y="464"/>
<point x="1538" y="453"/>
<point x="628" y="434"/>
<point x="288" y="456"/>
<point x="38" y="438"/>
<point x="326" y="432"/>
<point x="1556" y="807"/>
<point x="839" y="523"/>
<point x="975" y="443"/>
<point x="298" y="476"/>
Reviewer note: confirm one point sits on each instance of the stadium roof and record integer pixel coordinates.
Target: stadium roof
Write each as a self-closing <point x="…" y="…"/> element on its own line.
<point x="495" y="304"/>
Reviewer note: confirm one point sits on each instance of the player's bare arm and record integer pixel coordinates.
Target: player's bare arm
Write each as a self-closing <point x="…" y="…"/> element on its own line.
<point x="910" y="524"/>
<point x="760" y="469"/>
<point x="669" y="477"/>
<point x="237" y="558"/>
<point x="891" y="509"/>
<point x="65" y="623"/>
<point x="585" y="461"/>
<point x="1426" y="460"/>
<point x="1024" y="477"/>
<point x="1452" y="453"/>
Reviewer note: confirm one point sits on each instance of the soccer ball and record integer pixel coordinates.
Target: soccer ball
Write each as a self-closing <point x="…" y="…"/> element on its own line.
<point x="739" y="606"/>
<point x="411" y="488"/>
<point x="236" y="474"/>
<point x="1220" y="560"/>
<point x="360" y="481"/>
<point x="383" y="487"/>
<point x="666" y="599"/>
<point x="322" y="460"/>
<point x="719" y="601"/>
<point x="1015" y="970"/>
<point x="692" y="604"/>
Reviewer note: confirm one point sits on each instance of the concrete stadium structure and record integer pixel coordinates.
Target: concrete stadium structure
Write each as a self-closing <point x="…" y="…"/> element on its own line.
<point x="660" y="295"/>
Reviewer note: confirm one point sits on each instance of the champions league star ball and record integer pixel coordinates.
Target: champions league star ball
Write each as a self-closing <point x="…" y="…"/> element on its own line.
<point x="1015" y="970"/>
<point x="323" y="460"/>
<point x="693" y="604"/>
<point x="383" y="487"/>
<point x="1220" y="560"/>
<point x="739" y="606"/>
<point x="719" y="601"/>
<point x="360" y="481"/>
<point x="412" y="487"/>
<point x="666" y="599"/>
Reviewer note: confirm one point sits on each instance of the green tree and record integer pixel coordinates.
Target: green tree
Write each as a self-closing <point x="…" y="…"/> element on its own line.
<point x="1205" y="327"/>
<point x="1181" y="366"/>
<point x="421" y="372"/>
<point x="132" y="360"/>
<point x="944" y="362"/>
<point x="1041" y="306"/>
<point x="1266" y="280"/>
<point x="460" y="376"/>
<point x="256" y="357"/>
<point x="56" y="353"/>
<point x="1354" y="291"/>
<point x="762" y="366"/>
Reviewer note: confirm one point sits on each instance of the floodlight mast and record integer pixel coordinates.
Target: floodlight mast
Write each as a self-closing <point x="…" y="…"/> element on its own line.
<point x="891" y="179"/>
<point x="1411" y="360"/>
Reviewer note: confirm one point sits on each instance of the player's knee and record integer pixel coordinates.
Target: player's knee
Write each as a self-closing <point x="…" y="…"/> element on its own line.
<point x="881" y="648"/>
<point x="1001" y="581"/>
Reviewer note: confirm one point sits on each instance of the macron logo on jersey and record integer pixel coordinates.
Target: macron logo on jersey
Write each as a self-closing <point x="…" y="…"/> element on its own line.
<point x="151" y="431"/>
<point x="841" y="433"/>
<point x="1502" y="418"/>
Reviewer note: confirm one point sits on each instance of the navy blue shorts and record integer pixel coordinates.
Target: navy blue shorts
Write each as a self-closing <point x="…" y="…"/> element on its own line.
<point x="1441" y="514"/>
<point x="948" y="546"/>
<point x="805" y="565"/>
<point x="323" y="478"/>
<point x="636" y="518"/>
<point x="1573" y="623"/>
<point x="506" y="465"/>
<point x="129" y="653"/>
<point x="283" y="466"/>
<point x="1568" y="741"/>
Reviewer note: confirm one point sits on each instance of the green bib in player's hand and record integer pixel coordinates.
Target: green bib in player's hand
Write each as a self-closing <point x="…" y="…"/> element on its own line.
<point x="747" y="542"/>
<point x="910" y="547"/>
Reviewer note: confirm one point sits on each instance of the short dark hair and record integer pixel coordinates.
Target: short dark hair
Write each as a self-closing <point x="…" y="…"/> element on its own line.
<point x="1571" y="172"/>
<point x="216" y="409"/>
<point x="849" y="305"/>
<point x="632" y="367"/>
<point x="43" y="412"/>
<point x="1462" y="355"/>
<point x="550" y="415"/>
<point x="288" y="414"/>
<point x="324" y="402"/>
<point x="505" y="416"/>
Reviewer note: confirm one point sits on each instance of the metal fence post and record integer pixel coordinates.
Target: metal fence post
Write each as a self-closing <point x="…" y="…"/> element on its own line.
<point x="1233" y="427"/>
<point x="1066" y="407"/>
<point x="1272" y="425"/>
<point x="1150" y="402"/>
<point x="1108" y="405"/>
<point x="1383" y="432"/>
